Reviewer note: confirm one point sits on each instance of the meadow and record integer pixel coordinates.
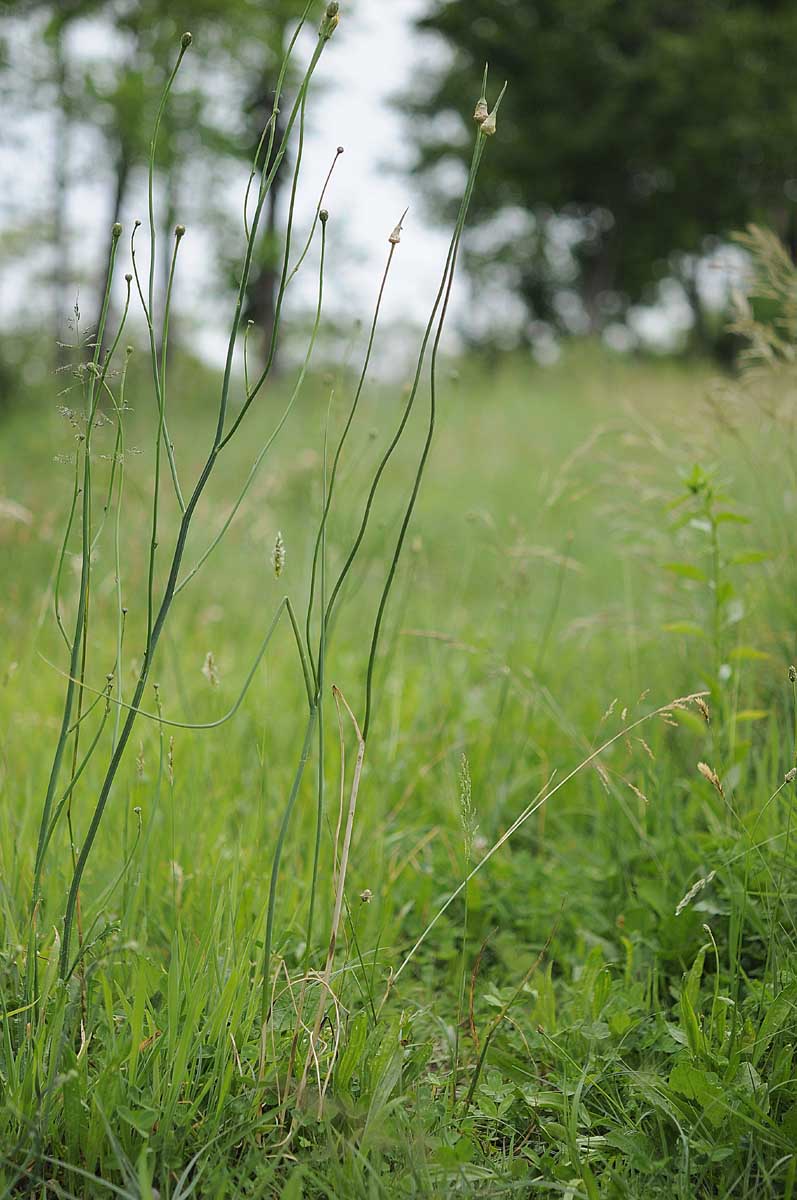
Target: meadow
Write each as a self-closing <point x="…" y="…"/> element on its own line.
<point x="629" y="1050"/>
<point x="473" y="875"/>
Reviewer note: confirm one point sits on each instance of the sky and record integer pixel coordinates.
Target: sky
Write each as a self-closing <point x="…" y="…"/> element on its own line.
<point x="370" y="59"/>
<point x="374" y="55"/>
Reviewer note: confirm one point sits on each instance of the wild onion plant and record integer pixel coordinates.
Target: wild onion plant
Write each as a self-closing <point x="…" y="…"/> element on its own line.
<point x="93" y="509"/>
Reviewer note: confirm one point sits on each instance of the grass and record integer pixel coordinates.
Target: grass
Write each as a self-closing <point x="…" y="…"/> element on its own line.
<point x="647" y="1054"/>
<point x="487" y="890"/>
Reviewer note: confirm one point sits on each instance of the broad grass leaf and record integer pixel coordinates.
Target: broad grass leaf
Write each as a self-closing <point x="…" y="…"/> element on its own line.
<point x="686" y="571"/>
<point x="350" y="1058"/>
<point x="782" y="1009"/>
<point x="689" y="628"/>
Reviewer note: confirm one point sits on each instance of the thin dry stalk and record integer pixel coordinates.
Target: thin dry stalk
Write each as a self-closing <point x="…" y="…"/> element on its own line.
<point x="341" y="882"/>
<point x="663" y="711"/>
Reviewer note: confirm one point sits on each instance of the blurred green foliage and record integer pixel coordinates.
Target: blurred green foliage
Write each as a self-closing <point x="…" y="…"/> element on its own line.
<point x="636" y="134"/>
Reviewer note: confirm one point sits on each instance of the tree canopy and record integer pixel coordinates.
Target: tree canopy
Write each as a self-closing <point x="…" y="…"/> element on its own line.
<point x="111" y="89"/>
<point x="633" y="134"/>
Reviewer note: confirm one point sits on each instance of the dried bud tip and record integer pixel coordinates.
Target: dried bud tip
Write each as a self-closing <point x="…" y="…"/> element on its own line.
<point x="128" y="278"/>
<point x="179" y="231"/>
<point x="117" y="230"/>
<point x="488" y="125"/>
<point x="136" y="225"/>
<point x="481" y="110"/>
<point x="340" y="149"/>
<point x="186" y="40"/>
<point x="395" y="236"/>
<point x="792" y="674"/>
<point x="323" y="216"/>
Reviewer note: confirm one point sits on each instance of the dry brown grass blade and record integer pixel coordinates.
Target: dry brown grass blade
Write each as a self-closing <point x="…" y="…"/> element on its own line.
<point x="326" y="975"/>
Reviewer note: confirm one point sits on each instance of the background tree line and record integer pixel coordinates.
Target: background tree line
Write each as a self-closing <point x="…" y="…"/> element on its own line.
<point x="634" y="137"/>
<point x="109" y="83"/>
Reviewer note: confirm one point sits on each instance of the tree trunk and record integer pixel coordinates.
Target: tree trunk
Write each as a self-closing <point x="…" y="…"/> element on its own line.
<point x="123" y="168"/>
<point x="60" y="225"/>
<point x="263" y="289"/>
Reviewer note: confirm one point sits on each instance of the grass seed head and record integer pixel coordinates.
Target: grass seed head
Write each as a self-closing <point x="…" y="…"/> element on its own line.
<point x="210" y="670"/>
<point x="792" y="674"/>
<point x="694" y="890"/>
<point x="713" y="778"/>
<point x="278" y="555"/>
<point x="467" y="813"/>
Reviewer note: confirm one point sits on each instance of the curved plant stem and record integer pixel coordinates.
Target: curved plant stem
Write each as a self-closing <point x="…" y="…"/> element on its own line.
<point x="92" y="394"/>
<point x="181" y="539"/>
<point x="285" y="605"/>
<point x="162" y="431"/>
<point x="429" y="434"/>
<point x="410" y="399"/>
<point x="341" y="444"/>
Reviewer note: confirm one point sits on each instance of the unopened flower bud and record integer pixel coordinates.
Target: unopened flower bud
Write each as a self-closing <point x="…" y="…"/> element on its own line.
<point x="186" y="40"/>
<point x="323" y="216"/>
<point x="481" y="110"/>
<point x="488" y="125"/>
<point x="395" y="236"/>
<point x="117" y="230"/>
<point x="329" y="22"/>
<point x="179" y="231"/>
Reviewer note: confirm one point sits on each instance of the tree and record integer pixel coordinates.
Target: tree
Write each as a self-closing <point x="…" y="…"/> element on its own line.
<point x="241" y="42"/>
<point x="112" y="89"/>
<point x="631" y="133"/>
